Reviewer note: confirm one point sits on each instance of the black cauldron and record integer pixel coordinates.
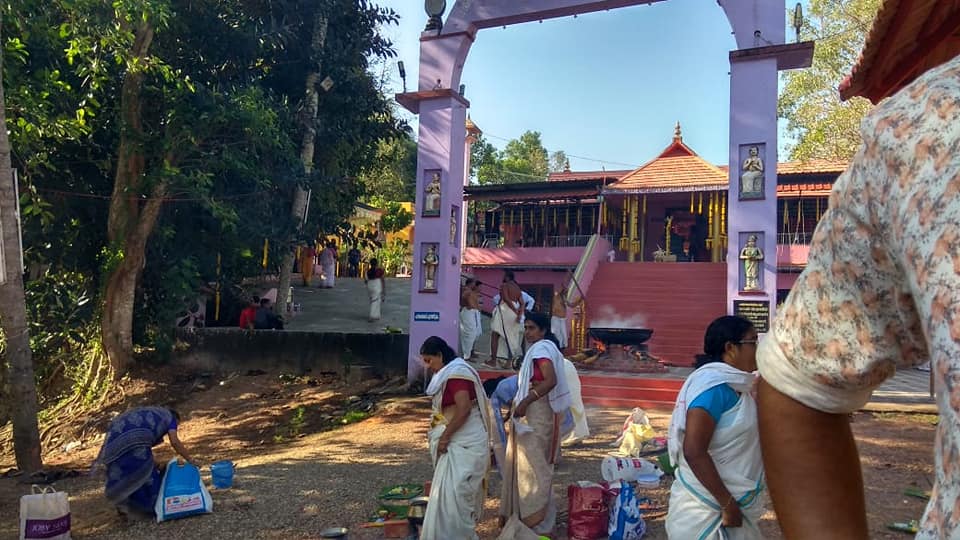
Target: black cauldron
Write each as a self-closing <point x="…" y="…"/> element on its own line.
<point x="621" y="336"/>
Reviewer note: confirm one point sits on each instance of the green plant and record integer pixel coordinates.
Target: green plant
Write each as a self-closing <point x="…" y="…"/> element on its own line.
<point x="395" y="254"/>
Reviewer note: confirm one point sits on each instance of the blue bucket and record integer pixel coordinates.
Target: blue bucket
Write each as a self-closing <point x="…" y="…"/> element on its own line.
<point x="222" y="474"/>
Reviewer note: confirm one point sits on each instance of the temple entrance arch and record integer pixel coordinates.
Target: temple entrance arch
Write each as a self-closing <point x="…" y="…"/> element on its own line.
<point x="443" y="156"/>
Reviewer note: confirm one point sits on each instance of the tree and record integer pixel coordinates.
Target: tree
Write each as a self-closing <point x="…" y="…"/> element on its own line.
<point x="559" y="161"/>
<point x="395" y="217"/>
<point x="822" y="125"/>
<point x="522" y="160"/>
<point x="484" y="160"/>
<point x="391" y="175"/>
<point x="20" y="386"/>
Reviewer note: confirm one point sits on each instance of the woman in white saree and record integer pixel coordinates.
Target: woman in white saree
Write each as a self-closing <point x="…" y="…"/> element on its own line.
<point x="459" y="440"/>
<point x="714" y="443"/>
<point x="527" y="508"/>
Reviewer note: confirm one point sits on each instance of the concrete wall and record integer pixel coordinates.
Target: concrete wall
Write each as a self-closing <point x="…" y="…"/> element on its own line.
<point x="232" y="349"/>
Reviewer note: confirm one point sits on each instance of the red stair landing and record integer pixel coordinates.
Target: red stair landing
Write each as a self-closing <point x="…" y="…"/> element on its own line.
<point x="609" y="389"/>
<point x="676" y="300"/>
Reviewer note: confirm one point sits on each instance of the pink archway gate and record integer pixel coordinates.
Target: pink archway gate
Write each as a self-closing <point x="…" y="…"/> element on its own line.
<point x="442" y="163"/>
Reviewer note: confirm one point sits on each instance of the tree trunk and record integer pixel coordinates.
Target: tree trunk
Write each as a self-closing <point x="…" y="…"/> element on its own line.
<point x="128" y="226"/>
<point x="308" y="123"/>
<point x="21" y="385"/>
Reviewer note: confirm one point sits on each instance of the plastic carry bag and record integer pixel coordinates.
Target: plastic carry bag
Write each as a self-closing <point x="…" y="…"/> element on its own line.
<point x="182" y="493"/>
<point x="589" y="513"/>
<point x="625" y="520"/>
<point x="45" y="513"/>
<point x="635" y="433"/>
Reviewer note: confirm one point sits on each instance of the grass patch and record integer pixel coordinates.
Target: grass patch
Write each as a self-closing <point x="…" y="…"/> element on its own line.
<point x="294" y="427"/>
<point x="354" y="416"/>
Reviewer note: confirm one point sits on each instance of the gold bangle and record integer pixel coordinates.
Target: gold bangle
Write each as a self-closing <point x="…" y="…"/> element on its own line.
<point x="534" y="390"/>
<point x="729" y="502"/>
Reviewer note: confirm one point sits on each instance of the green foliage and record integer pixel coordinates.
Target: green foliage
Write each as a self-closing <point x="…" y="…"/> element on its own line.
<point x="391" y="175"/>
<point x="559" y="161"/>
<point x="395" y="217"/>
<point x="61" y="317"/>
<point x="522" y="160"/>
<point x="223" y="83"/>
<point x="395" y="254"/>
<point x="823" y="126"/>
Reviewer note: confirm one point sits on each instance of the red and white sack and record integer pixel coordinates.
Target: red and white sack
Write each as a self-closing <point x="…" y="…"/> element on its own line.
<point x="588" y="511"/>
<point x="45" y="513"/>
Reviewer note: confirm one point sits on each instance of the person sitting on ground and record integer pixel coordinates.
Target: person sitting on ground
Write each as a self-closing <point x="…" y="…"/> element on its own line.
<point x="713" y="440"/>
<point x="248" y="313"/>
<point x="459" y="440"/>
<point x="265" y="318"/>
<point x="133" y="479"/>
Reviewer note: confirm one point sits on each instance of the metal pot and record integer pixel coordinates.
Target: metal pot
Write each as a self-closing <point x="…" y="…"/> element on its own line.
<point x="418" y="509"/>
<point x="334" y="532"/>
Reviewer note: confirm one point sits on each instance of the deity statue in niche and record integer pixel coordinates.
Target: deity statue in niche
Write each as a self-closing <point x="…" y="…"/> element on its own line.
<point x="751" y="255"/>
<point x="751" y="174"/>
<point x="431" y="199"/>
<point x="453" y="225"/>
<point x="430" y="262"/>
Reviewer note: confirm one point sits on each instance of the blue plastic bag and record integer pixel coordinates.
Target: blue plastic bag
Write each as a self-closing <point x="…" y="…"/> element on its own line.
<point x="625" y="521"/>
<point x="182" y="493"/>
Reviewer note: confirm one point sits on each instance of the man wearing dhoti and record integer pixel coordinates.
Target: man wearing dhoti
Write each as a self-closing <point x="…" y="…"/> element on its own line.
<point x="470" y="328"/>
<point x="506" y="326"/>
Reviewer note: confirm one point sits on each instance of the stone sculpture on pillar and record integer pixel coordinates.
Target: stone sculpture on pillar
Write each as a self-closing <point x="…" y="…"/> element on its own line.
<point x="751" y="175"/>
<point x="431" y="198"/>
<point x="430" y="262"/>
<point x="751" y="255"/>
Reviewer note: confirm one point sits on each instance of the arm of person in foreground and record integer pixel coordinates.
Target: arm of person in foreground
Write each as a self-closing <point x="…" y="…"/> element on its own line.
<point x="813" y="469"/>
<point x="178" y="446"/>
<point x="696" y="442"/>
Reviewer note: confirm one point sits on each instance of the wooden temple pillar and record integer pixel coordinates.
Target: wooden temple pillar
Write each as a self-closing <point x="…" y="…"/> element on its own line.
<point x="631" y="202"/>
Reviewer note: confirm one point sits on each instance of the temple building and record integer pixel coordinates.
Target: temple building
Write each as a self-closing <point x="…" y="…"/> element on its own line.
<point x="642" y="248"/>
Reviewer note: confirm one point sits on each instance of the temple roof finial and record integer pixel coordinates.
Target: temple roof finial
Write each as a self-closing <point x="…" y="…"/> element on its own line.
<point x="677" y="134"/>
<point x="566" y="166"/>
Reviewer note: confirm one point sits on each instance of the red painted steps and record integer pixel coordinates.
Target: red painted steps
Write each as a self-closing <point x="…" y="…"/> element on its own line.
<point x="676" y="300"/>
<point x="607" y="389"/>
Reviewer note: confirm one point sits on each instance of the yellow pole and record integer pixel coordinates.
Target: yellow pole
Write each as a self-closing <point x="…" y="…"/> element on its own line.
<point x="701" y="204"/>
<point x="266" y="248"/>
<point x="716" y="229"/>
<point x="723" y="214"/>
<point x="624" y="240"/>
<point x="643" y="228"/>
<point x="691" y="202"/>
<point x="216" y="299"/>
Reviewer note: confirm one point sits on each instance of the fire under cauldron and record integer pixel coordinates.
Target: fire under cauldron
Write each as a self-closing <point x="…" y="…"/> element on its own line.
<point x="625" y="349"/>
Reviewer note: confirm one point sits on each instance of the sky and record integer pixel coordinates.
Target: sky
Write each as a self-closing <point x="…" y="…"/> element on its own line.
<point x="607" y="88"/>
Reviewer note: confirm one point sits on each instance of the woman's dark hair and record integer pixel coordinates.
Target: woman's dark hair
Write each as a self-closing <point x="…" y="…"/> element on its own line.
<point x="726" y="329"/>
<point x="373" y="263"/>
<point x="436" y="345"/>
<point x="175" y="413"/>
<point x="490" y="385"/>
<point x="542" y="320"/>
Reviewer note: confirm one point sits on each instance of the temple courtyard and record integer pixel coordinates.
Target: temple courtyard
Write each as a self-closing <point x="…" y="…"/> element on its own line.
<point x="306" y="459"/>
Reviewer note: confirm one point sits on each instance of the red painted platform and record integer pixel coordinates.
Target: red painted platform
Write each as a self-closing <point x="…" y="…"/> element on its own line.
<point x="608" y="389"/>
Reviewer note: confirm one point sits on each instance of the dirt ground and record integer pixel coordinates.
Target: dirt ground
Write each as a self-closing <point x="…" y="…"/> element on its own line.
<point x="310" y="455"/>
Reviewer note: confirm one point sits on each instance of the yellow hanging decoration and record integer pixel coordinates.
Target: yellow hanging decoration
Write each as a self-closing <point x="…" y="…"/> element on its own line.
<point x="691" y="202"/>
<point x="624" y="240"/>
<point x="700" y="210"/>
<point x="723" y="214"/>
<point x="266" y="248"/>
<point x="786" y="218"/>
<point x="818" y="209"/>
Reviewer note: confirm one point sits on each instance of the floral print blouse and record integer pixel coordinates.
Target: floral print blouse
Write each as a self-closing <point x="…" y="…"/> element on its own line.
<point x="882" y="285"/>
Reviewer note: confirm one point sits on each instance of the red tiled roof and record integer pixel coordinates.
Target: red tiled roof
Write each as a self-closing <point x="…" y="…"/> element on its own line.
<point x="804" y="189"/>
<point x="813" y="166"/>
<point x="585" y="175"/>
<point x="678" y="168"/>
<point x="527" y="257"/>
<point x="908" y="37"/>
